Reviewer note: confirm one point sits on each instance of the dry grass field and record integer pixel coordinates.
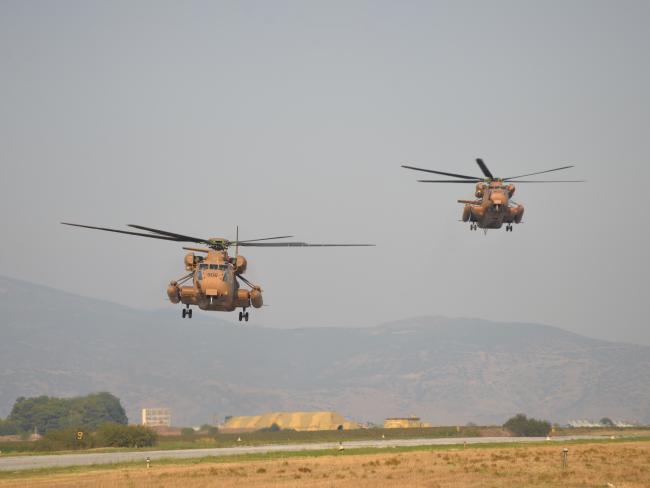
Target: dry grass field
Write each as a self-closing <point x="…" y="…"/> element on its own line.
<point x="620" y="464"/>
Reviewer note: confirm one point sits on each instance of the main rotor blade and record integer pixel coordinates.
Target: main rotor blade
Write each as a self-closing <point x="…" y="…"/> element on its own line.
<point x="170" y="234"/>
<point x="261" y="239"/>
<point x="547" y="181"/>
<point x="197" y="249"/>
<point x="537" y="173"/>
<point x="443" y="173"/>
<point x="299" y="244"/>
<point x="166" y="238"/>
<point x="450" y="181"/>
<point x="484" y="168"/>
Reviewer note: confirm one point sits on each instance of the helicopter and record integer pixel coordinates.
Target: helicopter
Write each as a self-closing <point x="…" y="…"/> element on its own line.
<point x="212" y="281"/>
<point x="493" y="206"/>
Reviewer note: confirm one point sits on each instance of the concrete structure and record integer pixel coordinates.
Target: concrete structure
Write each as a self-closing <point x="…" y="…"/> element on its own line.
<point x="300" y="421"/>
<point x="404" y="423"/>
<point x="156" y="417"/>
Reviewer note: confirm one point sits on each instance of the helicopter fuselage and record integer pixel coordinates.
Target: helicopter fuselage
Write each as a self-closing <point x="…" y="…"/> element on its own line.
<point x="214" y="285"/>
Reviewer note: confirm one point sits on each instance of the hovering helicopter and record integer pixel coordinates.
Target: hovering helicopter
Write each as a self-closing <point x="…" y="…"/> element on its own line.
<point x="494" y="205"/>
<point x="214" y="274"/>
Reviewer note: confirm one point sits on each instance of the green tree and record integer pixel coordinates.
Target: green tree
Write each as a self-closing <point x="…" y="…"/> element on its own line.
<point x="43" y="413"/>
<point x="8" y="427"/>
<point x="95" y="409"/>
<point x="520" y="425"/>
<point x="607" y="422"/>
<point x="48" y="413"/>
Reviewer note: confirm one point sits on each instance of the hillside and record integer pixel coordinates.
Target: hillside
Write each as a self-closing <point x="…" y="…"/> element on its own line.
<point x="445" y="370"/>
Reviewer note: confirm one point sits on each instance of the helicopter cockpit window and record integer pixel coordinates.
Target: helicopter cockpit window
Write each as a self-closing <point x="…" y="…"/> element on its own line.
<point x="203" y="266"/>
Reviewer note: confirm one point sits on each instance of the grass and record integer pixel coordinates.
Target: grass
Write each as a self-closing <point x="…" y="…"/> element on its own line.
<point x="258" y="438"/>
<point x="591" y="463"/>
<point x="198" y="441"/>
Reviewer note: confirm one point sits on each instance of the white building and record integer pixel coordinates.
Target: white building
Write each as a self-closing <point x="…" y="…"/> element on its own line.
<point x="156" y="417"/>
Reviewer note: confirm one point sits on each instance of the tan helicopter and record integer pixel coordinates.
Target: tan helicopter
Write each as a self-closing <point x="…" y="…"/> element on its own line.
<point x="494" y="206"/>
<point x="214" y="276"/>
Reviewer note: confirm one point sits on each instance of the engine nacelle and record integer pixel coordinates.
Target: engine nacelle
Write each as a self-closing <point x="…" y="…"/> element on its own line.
<point x="191" y="260"/>
<point x="243" y="298"/>
<point x="480" y="188"/>
<point x="241" y="264"/>
<point x="174" y="292"/>
<point x="516" y="213"/>
<point x="256" y="298"/>
<point x="479" y="212"/>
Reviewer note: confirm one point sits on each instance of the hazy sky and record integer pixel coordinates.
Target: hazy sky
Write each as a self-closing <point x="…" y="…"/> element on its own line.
<point x="294" y="117"/>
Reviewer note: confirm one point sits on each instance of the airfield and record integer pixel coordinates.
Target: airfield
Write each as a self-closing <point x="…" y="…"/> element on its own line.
<point x="447" y="463"/>
<point x="14" y="463"/>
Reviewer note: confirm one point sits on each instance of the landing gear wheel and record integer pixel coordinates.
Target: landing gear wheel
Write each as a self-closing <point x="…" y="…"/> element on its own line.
<point x="246" y="316"/>
<point x="184" y="313"/>
<point x="241" y="316"/>
<point x="189" y="313"/>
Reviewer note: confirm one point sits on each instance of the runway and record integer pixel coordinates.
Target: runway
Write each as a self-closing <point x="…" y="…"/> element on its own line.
<point x="25" y="462"/>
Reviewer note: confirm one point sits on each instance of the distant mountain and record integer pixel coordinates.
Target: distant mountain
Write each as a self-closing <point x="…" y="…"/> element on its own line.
<point x="447" y="371"/>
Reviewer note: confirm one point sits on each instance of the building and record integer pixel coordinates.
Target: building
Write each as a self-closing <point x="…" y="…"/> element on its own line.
<point x="156" y="417"/>
<point x="300" y="421"/>
<point x="404" y="423"/>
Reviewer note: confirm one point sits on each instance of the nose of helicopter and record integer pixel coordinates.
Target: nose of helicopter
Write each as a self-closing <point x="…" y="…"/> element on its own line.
<point x="214" y="286"/>
<point x="498" y="198"/>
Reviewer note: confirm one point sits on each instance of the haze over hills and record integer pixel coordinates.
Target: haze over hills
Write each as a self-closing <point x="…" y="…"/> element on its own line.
<point x="447" y="371"/>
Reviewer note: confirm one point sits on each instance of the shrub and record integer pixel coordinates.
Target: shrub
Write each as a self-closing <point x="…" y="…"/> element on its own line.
<point x="209" y="429"/>
<point x="63" y="439"/>
<point x="520" y="425"/>
<point x="273" y="428"/>
<point x="118" y="435"/>
<point x="187" y="431"/>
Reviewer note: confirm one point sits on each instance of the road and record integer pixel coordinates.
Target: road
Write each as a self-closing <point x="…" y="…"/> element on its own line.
<point x="16" y="463"/>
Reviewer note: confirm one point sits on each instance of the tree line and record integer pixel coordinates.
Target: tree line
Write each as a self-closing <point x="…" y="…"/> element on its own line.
<point x="43" y="413"/>
<point x="95" y="420"/>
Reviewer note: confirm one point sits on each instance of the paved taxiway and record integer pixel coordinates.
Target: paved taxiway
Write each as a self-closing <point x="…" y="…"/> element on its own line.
<point x="15" y="463"/>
